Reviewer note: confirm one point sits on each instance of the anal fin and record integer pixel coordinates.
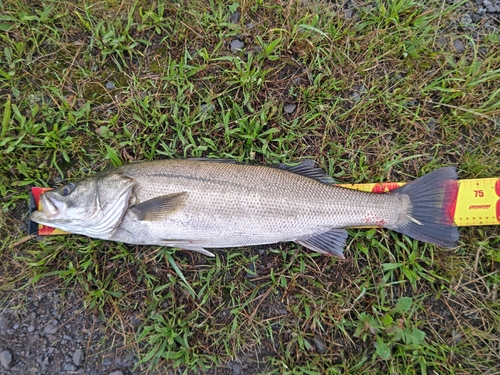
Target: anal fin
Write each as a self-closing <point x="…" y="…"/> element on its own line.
<point x="328" y="243"/>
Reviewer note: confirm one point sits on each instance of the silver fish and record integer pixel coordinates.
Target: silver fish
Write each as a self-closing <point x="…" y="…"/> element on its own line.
<point x="197" y="204"/>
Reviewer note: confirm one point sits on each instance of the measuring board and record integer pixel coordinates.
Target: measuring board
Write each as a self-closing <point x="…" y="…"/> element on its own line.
<point x="474" y="202"/>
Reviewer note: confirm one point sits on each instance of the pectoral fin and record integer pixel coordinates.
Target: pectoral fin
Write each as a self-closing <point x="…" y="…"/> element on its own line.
<point x="328" y="243"/>
<point x="159" y="207"/>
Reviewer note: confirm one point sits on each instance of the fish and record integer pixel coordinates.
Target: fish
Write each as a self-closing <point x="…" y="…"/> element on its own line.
<point x="201" y="204"/>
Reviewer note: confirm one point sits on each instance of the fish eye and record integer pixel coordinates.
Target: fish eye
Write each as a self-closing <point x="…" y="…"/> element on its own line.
<point x="67" y="189"/>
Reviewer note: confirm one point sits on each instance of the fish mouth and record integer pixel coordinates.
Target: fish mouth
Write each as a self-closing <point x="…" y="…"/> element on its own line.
<point x="49" y="210"/>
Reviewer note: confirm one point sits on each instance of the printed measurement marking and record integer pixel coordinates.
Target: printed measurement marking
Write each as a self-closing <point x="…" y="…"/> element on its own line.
<point x="475" y="197"/>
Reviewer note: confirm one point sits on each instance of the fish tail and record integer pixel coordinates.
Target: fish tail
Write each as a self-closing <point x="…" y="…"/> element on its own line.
<point x="428" y="218"/>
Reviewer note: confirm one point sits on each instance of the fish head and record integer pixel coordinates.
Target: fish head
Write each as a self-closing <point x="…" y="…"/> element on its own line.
<point x="93" y="206"/>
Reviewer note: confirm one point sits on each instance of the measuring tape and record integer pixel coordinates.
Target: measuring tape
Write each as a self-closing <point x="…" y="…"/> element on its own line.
<point x="477" y="202"/>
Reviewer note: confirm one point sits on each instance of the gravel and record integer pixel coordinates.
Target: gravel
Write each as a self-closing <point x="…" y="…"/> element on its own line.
<point x="78" y="357"/>
<point x="235" y="17"/>
<point x="459" y="46"/>
<point x="58" y="335"/>
<point x="237" y="45"/>
<point x="290" y="108"/>
<point x="5" y="359"/>
<point x="320" y="345"/>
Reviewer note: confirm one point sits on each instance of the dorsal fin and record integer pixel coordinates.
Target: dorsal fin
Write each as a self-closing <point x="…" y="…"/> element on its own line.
<point x="308" y="168"/>
<point x="225" y="161"/>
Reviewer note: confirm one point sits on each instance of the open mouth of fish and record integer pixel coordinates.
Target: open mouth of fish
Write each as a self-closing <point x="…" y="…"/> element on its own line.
<point x="50" y="209"/>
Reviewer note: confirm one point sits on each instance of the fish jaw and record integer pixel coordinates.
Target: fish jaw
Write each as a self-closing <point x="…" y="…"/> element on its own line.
<point x="51" y="209"/>
<point x="48" y="210"/>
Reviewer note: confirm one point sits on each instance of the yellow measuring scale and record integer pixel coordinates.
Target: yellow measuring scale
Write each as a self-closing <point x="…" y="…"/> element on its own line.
<point x="477" y="200"/>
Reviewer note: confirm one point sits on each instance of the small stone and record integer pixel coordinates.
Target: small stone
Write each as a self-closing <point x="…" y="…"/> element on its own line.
<point x="237" y="368"/>
<point x="349" y="13"/>
<point x="78" y="357"/>
<point x="135" y="321"/>
<point x="33" y="338"/>
<point x="441" y="42"/>
<point x="486" y="2"/>
<point x="107" y="361"/>
<point x="117" y="372"/>
<point x="31" y="328"/>
<point x="69" y="367"/>
<point x="476" y="18"/>
<point x="235" y="17"/>
<point x="466" y="19"/>
<point x="5" y="358"/>
<point x="46" y="361"/>
<point x="110" y="85"/>
<point x="124" y="361"/>
<point x="491" y="9"/>
<point x="483" y="51"/>
<point x="431" y="125"/>
<point x="15" y="326"/>
<point x="256" y="50"/>
<point x="17" y="368"/>
<point x="50" y="329"/>
<point x="237" y="45"/>
<point x="51" y="338"/>
<point x="459" y="46"/>
<point x="289" y="108"/>
<point x="4" y="324"/>
<point x="320" y="345"/>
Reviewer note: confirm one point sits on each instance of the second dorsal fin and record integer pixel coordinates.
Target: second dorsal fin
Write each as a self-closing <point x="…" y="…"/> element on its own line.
<point x="308" y="168"/>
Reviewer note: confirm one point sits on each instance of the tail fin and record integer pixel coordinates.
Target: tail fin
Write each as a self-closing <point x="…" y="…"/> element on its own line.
<point x="431" y="197"/>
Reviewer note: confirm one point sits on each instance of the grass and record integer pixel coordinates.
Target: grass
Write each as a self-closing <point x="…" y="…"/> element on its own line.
<point x="379" y="96"/>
